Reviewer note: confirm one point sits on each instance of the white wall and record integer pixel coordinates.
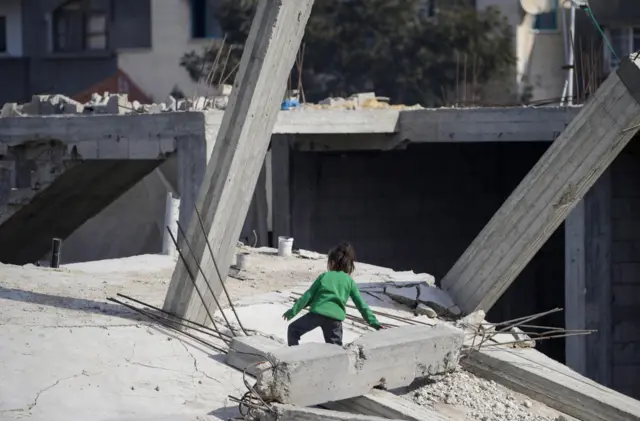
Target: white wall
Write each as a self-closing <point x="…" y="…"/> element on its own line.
<point x="12" y="9"/>
<point x="540" y="54"/>
<point x="157" y="70"/>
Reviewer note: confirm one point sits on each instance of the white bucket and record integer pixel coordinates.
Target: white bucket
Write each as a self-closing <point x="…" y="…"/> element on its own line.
<point x="285" y="245"/>
<point x="242" y="261"/>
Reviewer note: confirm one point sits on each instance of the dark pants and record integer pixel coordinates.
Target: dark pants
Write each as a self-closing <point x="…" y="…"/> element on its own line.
<point x="332" y="329"/>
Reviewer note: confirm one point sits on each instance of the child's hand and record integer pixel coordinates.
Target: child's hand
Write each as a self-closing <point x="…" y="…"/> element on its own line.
<point x="287" y="315"/>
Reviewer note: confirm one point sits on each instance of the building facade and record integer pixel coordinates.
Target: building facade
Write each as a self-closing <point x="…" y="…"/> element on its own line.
<point x="56" y="46"/>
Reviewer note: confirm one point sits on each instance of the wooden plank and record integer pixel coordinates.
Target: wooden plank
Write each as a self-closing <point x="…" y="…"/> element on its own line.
<point x="239" y="150"/>
<point x="548" y="193"/>
<point x="533" y="374"/>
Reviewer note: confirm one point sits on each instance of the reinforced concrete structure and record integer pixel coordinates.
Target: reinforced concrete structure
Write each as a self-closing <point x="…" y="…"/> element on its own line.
<point x="420" y="182"/>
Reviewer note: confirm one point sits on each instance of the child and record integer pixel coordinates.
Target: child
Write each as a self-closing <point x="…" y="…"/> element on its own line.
<point x="327" y="299"/>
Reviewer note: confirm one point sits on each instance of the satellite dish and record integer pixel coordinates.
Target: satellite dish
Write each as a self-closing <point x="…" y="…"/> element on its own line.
<point x="537" y="7"/>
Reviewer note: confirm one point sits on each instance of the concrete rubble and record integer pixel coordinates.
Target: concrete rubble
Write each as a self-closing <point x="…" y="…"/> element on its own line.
<point x="427" y="299"/>
<point x="480" y="399"/>
<point x="115" y="103"/>
<point x="119" y="360"/>
<point x="314" y="374"/>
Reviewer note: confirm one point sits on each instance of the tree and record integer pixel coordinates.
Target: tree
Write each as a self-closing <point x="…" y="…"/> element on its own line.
<point x="392" y="47"/>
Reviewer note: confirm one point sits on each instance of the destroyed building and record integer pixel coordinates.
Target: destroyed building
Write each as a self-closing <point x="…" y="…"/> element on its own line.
<point x="63" y="166"/>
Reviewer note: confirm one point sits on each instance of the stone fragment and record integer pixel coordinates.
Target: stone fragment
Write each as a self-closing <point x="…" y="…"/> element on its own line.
<point x="425" y="310"/>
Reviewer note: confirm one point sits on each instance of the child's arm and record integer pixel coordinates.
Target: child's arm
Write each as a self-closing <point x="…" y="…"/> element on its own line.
<point x="303" y="300"/>
<point x="362" y="306"/>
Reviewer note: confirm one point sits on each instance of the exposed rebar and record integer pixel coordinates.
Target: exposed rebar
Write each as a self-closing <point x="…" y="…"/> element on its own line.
<point x="215" y="265"/>
<point x="211" y="331"/>
<point x="168" y="325"/>
<point x="204" y="277"/>
<point x="193" y="280"/>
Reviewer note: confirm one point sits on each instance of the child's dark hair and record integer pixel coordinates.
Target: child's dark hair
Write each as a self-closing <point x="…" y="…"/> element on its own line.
<point x="342" y="258"/>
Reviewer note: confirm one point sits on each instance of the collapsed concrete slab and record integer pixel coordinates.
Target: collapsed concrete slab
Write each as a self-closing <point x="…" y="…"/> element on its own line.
<point x="531" y="373"/>
<point x="245" y="352"/>
<point x="386" y="404"/>
<point x="296" y="413"/>
<point x="313" y="374"/>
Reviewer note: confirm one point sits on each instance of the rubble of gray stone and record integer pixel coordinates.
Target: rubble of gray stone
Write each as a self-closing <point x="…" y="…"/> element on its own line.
<point x="110" y="104"/>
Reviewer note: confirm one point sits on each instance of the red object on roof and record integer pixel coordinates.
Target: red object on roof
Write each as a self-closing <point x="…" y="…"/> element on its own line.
<point x="119" y="83"/>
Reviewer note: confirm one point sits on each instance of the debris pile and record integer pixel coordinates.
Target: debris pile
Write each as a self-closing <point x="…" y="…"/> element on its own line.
<point x="481" y="399"/>
<point x="109" y="103"/>
<point x="360" y="101"/>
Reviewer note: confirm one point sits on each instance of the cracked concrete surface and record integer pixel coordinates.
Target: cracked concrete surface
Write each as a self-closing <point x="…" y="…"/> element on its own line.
<point x="66" y="353"/>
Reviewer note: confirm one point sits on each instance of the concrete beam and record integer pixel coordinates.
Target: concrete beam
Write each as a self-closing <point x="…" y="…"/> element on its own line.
<point x="296" y="413"/>
<point x="135" y="136"/>
<point x="385" y="404"/>
<point x="312" y="374"/>
<point x="245" y="352"/>
<point x="548" y="193"/>
<point x="240" y="149"/>
<point x="512" y="124"/>
<point x="531" y="373"/>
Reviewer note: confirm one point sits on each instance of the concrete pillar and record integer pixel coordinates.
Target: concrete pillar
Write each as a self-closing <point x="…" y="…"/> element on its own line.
<point x="545" y="197"/>
<point x="280" y="185"/>
<point x="239" y="151"/>
<point x="193" y="153"/>
<point x="171" y="212"/>
<point x="588" y="273"/>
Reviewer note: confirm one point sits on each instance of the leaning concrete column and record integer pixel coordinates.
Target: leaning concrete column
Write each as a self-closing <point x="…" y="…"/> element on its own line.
<point x="240" y="148"/>
<point x="575" y="160"/>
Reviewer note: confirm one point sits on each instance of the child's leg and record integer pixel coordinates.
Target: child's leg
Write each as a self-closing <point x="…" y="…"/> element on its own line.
<point x="332" y="330"/>
<point x="304" y="324"/>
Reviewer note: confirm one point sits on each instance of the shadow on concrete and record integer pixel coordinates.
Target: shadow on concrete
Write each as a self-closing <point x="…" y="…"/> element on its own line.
<point x="226" y="412"/>
<point x="70" y="303"/>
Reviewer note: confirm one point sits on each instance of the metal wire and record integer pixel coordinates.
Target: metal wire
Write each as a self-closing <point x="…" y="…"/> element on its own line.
<point x="215" y="265"/>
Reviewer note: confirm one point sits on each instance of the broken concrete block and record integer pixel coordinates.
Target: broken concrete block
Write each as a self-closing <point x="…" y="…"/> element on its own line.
<point x="296" y="413"/>
<point x="474" y="319"/>
<point x="224" y="90"/>
<point x="221" y="102"/>
<point x="246" y="352"/>
<point x="407" y="295"/>
<point x="72" y="108"/>
<point x="312" y="374"/>
<point x="10" y="109"/>
<point x="438" y="300"/>
<point x="422" y="309"/>
<point x="199" y="103"/>
<point x="117" y="104"/>
<point x="523" y="340"/>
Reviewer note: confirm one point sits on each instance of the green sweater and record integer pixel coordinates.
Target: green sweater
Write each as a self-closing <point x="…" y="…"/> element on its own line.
<point x="328" y="297"/>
